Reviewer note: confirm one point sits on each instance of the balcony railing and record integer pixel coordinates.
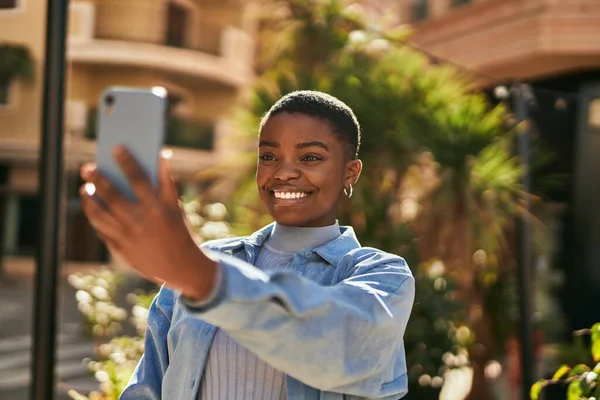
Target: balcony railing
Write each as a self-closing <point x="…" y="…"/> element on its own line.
<point x="186" y="133"/>
<point x="142" y="33"/>
<point x="208" y="40"/>
<point x="143" y="22"/>
<point x="515" y="39"/>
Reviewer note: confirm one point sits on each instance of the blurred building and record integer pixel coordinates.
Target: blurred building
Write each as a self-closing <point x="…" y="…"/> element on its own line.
<point x="554" y="45"/>
<point x="200" y="50"/>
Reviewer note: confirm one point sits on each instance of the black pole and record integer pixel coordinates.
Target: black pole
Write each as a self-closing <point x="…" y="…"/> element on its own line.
<point x="50" y="181"/>
<point x="523" y="100"/>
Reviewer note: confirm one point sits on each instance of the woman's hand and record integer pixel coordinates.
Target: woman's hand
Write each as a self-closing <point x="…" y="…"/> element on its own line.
<point x="151" y="235"/>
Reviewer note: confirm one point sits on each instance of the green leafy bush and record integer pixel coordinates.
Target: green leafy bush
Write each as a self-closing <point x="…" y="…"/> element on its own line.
<point x="116" y="359"/>
<point x="583" y="380"/>
<point x="95" y="300"/>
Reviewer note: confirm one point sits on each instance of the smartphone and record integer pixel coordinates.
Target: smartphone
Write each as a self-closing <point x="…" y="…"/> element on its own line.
<point x="136" y="119"/>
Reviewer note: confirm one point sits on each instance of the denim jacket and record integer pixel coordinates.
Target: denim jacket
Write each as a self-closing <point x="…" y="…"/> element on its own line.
<point x="333" y="322"/>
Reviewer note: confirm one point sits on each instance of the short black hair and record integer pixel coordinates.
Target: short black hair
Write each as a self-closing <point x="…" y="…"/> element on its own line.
<point x="323" y="106"/>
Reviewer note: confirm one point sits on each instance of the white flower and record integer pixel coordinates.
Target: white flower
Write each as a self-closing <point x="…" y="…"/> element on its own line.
<point x="440" y="284"/>
<point x="195" y="219"/>
<point x="378" y="46"/>
<point x="102" y="283"/>
<point x="100" y="293"/>
<point x="462" y="359"/>
<point x="85" y="308"/>
<point x="98" y="330"/>
<point x="425" y="380"/>
<point x="103" y="319"/>
<point x="449" y="359"/>
<point x="119" y="314"/>
<point x="118" y="357"/>
<point x="436" y="270"/>
<point x="216" y="211"/>
<point x="493" y="370"/>
<point x="480" y="257"/>
<point x="357" y="37"/>
<point x="409" y="208"/>
<point x="191" y="207"/>
<point x="437" y="382"/>
<point x="75" y="281"/>
<point x="139" y="311"/>
<point x="215" y="230"/>
<point x="102" y="307"/>
<point x="591" y="377"/>
<point x="83" y="297"/>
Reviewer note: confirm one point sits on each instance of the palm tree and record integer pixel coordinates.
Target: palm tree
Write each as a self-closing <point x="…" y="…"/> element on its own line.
<point x="466" y="221"/>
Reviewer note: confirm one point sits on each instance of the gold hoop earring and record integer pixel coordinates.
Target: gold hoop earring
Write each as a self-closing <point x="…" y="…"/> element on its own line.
<point x="348" y="191"/>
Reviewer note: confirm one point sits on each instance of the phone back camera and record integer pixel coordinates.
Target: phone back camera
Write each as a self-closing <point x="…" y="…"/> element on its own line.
<point x="109" y="100"/>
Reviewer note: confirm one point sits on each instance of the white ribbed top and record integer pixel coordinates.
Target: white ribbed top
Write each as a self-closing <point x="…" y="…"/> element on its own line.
<point x="234" y="373"/>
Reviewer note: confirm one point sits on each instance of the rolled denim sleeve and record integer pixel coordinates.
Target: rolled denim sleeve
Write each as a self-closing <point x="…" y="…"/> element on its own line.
<point x="346" y="338"/>
<point x="146" y="381"/>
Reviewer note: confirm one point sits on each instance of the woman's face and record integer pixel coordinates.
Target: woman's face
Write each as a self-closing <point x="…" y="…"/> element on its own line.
<point x="302" y="170"/>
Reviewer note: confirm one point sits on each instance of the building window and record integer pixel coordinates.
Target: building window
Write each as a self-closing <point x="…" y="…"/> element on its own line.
<point x="82" y="243"/>
<point x="177" y="25"/>
<point x="458" y="3"/>
<point x="22" y="233"/>
<point x="187" y="132"/>
<point x="4" y="93"/>
<point x="21" y="224"/>
<point x="419" y="10"/>
<point x="8" y="4"/>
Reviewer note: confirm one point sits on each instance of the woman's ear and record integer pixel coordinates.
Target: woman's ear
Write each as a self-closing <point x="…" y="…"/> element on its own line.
<point x="353" y="170"/>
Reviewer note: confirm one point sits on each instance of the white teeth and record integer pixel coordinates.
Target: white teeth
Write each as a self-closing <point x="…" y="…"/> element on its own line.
<point x="290" y="195"/>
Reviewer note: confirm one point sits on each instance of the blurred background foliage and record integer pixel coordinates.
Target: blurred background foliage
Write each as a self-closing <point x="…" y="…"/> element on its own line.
<point x="582" y="381"/>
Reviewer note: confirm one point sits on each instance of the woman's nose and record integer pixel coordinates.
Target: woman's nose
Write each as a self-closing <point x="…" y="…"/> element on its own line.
<point x="287" y="171"/>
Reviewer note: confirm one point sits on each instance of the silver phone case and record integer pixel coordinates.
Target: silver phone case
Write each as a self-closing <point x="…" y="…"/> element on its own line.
<point x="136" y="119"/>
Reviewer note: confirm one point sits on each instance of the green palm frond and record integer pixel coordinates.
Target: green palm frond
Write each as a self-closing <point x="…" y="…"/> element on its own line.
<point x="485" y="189"/>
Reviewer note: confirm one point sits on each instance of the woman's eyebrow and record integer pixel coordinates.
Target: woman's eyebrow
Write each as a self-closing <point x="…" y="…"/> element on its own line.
<point x="312" y="144"/>
<point x="267" y="143"/>
<point x="299" y="146"/>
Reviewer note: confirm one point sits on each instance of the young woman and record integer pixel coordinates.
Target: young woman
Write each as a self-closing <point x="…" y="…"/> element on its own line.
<point x="298" y="310"/>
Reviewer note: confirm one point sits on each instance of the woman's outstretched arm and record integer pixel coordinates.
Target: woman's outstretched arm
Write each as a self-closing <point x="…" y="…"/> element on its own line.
<point x="346" y="338"/>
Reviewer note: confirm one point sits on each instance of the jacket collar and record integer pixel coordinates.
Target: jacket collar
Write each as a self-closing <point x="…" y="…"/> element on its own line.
<point x="332" y="252"/>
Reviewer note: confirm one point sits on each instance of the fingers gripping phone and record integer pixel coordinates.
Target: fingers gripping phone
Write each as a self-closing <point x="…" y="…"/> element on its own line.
<point x="134" y="118"/>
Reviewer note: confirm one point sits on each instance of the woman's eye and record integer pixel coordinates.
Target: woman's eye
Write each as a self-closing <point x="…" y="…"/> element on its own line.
<point x="311" y="157"/>
<point x="266" y="157"/>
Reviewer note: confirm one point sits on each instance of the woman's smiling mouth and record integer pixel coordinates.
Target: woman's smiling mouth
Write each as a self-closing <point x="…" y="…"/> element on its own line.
<point x="288" y="197"/>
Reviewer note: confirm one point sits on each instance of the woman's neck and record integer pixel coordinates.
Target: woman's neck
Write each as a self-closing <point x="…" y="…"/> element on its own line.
<point x="290" y="239"/>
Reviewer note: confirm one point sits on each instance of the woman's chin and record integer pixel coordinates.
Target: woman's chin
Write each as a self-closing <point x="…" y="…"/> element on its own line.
<point x="302" y="220"/>
<point x="288" y="220"/>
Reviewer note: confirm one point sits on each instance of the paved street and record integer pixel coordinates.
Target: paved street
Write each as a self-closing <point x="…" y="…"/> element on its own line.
<point x="16" y="313"/>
